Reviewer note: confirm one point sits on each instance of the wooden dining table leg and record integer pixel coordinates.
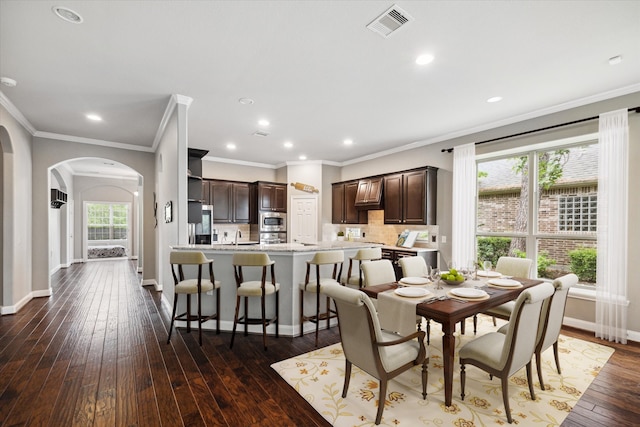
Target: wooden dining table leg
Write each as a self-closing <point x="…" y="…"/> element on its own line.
<point x="448" y="356"/>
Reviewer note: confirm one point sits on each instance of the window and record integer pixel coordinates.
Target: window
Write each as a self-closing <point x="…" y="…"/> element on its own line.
<point x="107" y="221"/>
<point x="541" y="204"/>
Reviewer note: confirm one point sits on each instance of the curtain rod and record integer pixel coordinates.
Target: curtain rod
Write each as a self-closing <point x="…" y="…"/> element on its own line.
<point x="449" y="150"/>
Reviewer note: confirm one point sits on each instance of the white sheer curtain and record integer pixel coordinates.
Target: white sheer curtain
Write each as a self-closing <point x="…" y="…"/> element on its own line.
<point x="611" y="280"/>
<point x="463" y="233"/>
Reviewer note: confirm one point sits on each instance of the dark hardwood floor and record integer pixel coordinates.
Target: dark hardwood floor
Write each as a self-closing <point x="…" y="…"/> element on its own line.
<point x="95" y="353"/>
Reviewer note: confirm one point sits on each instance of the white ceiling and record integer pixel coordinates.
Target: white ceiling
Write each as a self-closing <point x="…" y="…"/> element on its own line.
<point x="313" y="68"/>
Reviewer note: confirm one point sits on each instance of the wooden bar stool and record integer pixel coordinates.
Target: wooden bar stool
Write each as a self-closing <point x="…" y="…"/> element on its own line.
<point x="363" y="255"/>
<point x="328" y="258"/>
<point x="254" y="288"/>
<point x="191" y="287"/>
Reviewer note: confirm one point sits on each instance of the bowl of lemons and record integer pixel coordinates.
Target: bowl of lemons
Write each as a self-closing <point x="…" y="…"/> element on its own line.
<point x="452" y="277"/>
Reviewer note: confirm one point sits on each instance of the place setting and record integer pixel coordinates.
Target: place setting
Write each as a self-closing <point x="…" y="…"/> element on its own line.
<point x="503" y="283"/>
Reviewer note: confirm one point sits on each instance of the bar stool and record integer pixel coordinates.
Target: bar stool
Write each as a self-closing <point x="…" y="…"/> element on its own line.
<point x="328" y="258"/>
<point x="189" y="287"/>
<point x="255" y="288"/>
<point x="363" y="255"/>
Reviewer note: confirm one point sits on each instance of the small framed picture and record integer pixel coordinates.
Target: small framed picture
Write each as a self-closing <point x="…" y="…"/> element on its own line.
<point x="168" y="208"/>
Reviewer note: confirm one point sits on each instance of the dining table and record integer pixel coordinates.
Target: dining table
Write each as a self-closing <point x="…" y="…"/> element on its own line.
<point x="450" y="310"/>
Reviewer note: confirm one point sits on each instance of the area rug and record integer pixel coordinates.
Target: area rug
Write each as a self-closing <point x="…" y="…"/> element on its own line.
<point x="318" y="376"/>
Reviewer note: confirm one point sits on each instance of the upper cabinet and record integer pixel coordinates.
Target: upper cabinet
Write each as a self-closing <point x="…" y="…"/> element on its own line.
<point x="230" y="201"/>
<point x="343" y="204"/>
<point x="194" y="184"/>
<point x="410" y="197"/>
<point x="369" y="194"/>
<point x="272" y="197"/>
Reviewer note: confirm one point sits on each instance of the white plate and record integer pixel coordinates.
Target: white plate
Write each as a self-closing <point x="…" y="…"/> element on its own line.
<point x="414" y="280"/>
<point x="412" y="292"/>
<point x="468" y="292"/>
<point x="507" y="283"/>
<point x="489" y="273"/>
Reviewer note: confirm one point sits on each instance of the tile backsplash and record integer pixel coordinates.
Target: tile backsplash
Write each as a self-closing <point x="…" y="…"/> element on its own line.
<point x="377" y="231"/>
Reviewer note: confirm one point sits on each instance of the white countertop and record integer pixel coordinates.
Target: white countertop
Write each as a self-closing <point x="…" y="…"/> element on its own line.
<point x="280" y="247"/>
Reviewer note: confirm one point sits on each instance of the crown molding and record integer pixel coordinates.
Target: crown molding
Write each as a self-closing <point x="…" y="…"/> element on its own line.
<point x="83" y="140"/>
<point x="174" y="100"/>
<point x="239" y="162"/>
<point x="16" y="114"/>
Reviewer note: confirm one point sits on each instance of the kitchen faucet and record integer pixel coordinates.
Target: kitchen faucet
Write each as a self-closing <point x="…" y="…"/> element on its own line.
<point x="238" y="234"/>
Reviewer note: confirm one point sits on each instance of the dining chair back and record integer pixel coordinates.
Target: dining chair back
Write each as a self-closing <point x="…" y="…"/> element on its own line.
<point x="355" y="262"/>
<point x="508" y="266"/>
<point x="313" y="283"/>
<point x="243" y="261"/>
<point x="413" y="266"/>
<point x="381" y="354"/>
<point x="502" y="355"/>
<point x="189" y="287"/>
<point x="378" y="272"/>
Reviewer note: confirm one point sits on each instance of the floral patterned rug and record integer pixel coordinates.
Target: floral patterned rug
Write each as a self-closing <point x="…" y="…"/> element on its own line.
<point x="319" y="377"/>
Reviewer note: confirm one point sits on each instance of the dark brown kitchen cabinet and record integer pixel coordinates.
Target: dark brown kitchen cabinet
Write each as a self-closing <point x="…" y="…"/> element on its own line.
<point x="343" y="204"/>
<point x="230" y="201"/>
<point x="410" y="197"/>
<point x="272" y="197"/>
<point x="369" y="194"/>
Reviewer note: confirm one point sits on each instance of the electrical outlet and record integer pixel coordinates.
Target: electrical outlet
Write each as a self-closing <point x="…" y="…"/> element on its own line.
<point x="444" y="239"/>
<point x="225" y="234"/>
<point x="209" y="292"/>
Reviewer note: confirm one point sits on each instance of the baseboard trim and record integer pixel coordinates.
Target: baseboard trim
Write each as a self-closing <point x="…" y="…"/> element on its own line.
<point x="151" y="282"/>
<point x="591" y="326"/>
<point x="13" y="309"/>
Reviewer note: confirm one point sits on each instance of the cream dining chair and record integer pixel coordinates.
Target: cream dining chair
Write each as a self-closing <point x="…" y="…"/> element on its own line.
<point x="551" y="321"/>
<point x="381" y="354"/>
<point x="502" y="355"/>
<point x="413" y="266"/>
<point x="507" y="266"/>
<point x="354" y="278"/>
<point x="378" y="272"/>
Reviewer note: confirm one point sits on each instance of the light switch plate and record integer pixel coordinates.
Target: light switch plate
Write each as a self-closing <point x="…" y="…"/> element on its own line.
<point x="444" y="239"/>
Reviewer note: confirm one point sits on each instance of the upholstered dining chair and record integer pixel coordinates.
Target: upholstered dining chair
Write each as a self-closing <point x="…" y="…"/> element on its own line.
<point x="378" y="272"/>
<point x="551" y="321"/>
<point x="354" y="278"/>
<point x="327" y="260"/>
<point x="381" y="354"/>
<point x="246" y="289"/>
<point x="413" y="266"/>
<point x="190" y="287"/>
<point x="502" y="355"/>
<point x="507" y="266"/>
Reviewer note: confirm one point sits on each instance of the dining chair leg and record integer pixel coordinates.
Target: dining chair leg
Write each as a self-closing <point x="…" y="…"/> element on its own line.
<point x="347" y="378"/>
<point x="555" y="355"/>
<point x="505" y="398"/>
<point x="539" y="368"/>
<point x="425" y="377"/>
<point x="317" y="313"/>
<point x="529" y="380"/>
<point x="463" y="376"/>
<point x="173" y="316"/>
<point x="475" y="324"/>
<point x="381" y="400"/>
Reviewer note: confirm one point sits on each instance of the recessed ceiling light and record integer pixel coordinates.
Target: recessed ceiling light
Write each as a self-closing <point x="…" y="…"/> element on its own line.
<point x="288" y="144"/>
<point x="302" y="157"/>
<point x="93" y="117"/>
<point x="9" y="82"/>
<point x="246" y="101"/>
<point x="231" y="146"/>
<point x="615" y="60"/>
<point x="263" y="122"/>
<point x="67" y="14"/>
<point x="494" y="99"/>
<point x="424" y="59"/>
<point x="347" y="141"/>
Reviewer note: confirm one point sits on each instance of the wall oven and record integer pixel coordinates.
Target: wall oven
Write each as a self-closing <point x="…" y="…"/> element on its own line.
<point x="272" y="222"/>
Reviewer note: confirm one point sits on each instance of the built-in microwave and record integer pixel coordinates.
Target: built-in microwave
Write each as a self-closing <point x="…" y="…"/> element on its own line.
<point x="272" y="222"/>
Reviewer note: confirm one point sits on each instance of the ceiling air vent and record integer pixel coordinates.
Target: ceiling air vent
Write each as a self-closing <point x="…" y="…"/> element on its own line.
<point x="390" y="21"/>
<point x="260" y="133"/>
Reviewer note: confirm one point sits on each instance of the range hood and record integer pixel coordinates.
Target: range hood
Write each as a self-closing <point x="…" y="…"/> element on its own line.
<point x="369" y="194"/>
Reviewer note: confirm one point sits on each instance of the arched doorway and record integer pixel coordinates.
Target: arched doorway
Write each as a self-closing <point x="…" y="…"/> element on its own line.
<point x="97" y="180"/>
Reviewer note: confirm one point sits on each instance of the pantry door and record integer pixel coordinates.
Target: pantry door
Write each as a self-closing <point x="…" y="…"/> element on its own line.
<point x="304" y="219"/>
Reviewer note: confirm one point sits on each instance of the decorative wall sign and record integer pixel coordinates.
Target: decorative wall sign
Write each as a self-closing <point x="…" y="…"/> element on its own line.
<point x="304" y="187"/>
<point x="168" y="212"/>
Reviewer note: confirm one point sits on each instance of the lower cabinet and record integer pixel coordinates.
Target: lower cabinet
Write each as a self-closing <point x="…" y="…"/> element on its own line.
<point x="394" y="255"/>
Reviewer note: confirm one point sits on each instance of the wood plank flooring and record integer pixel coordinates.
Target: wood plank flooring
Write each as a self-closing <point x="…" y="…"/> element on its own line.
<point x="95" y="353"/>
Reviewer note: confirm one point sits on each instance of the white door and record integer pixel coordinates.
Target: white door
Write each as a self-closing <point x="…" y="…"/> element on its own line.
<point x="304" y="219"/>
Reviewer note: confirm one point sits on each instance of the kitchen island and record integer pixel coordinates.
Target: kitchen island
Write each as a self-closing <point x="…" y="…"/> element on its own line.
<point x="290" y="269"/>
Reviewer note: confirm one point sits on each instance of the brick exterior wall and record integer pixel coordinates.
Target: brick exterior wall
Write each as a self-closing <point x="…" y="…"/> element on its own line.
<point x="497" y="213"/>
